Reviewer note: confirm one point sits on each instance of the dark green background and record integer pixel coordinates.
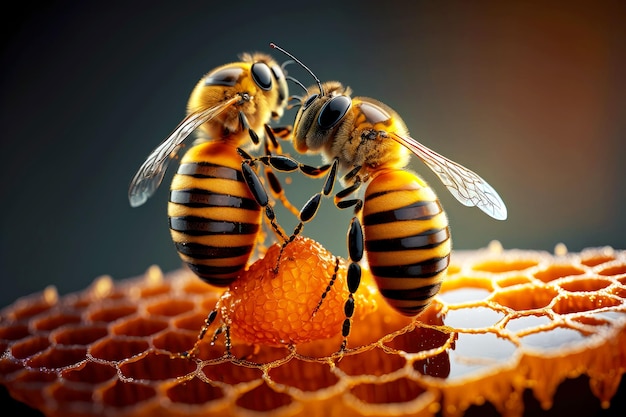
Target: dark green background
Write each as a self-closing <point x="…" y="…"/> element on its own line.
<point x="529" y="95"/>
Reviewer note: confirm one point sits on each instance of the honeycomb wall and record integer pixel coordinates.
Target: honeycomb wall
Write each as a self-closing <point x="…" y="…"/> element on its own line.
<point x="506" y="331"/>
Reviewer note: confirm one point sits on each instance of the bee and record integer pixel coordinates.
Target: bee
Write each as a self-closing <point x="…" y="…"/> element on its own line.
<point x="216" y="199"/>
<point x="399" y="222"/>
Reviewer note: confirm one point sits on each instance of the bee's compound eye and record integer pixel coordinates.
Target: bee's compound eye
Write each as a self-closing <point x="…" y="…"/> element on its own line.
<point x="226" y="77"/>
<point x="309" y="100"/>
<point x="262" y="75"/>
<point x="333" y="111"/>
<point x="279" y="75"/>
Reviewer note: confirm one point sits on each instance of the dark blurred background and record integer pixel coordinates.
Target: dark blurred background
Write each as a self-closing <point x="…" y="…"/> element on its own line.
<point x="531" y="95"/>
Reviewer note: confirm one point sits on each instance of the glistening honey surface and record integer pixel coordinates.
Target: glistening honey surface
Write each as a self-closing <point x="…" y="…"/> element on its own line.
<point x="505" y="323"/>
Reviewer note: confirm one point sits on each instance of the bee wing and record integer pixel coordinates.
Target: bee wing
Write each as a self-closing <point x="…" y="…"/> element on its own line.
<point x="151" y="172"/>
<point x="464" y="184"/>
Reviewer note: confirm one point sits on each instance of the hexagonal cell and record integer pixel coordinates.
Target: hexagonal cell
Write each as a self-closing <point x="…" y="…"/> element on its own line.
<point x="28" y="388"/>
<point x="596" y="259"/>
<point x="371" y="362"/>
<point x="175" y="341"/>
<point x="619" y="291"/>
<point x="194" y="391"/>
<point x="585" y="284"/>
<point x="591" y="321"/>
<point x="523" y="323"/>
<point x="55" y="321"/>
<point x="207" y="350"/>
<point x="614" y="270"/>
<point x="90" y="372"/>
<point x="31" y="308"/>
<point x="510" y="281"/>
<point x="231" y="374"/>
<point x="437" y="366"/>
<point x="483" y="345"/>
<point x="463" y="295"/>
<point x="108" y="314"/>
<point x="557" y="271"/>
<point x="58" y="357"/>
<point x="30" y="346"/>
<point x="7" y="367"/>
<point x="155" y="289"/>
<point x="63" y="393"/>
<point x="192" y="322"/>
<point x="471" y="352"/>
<point x="34" y="378"/>
<point x="118" y="348"/>
<point x="197" y="286"/>
<point x="553" y="338"/>
<point x="123" y="394"/>
<point x="611" y="316"/>
<point x="420" y="339"/>
<point x="13" y="331"/>
<point x="170" y="308"/>
<point x="462" y="282"/>
<point x="397" y="391"/>
<point x="499" y="265"/>
<point x="139" y="326"/>
<point x="78" y="334"/>
<point x="525" y="297"/>
<point x="577" y="303"/>
<point x="305" y="376"/>
<point x="155" y="366"/>
<point x="264" y="399"/>
<point x="267" y="355"/>
<point x="472" y="318"/>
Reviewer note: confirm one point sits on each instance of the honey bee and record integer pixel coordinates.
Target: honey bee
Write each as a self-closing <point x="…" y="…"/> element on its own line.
<point x="404" y="229"/>
<point x="216" y="199"/>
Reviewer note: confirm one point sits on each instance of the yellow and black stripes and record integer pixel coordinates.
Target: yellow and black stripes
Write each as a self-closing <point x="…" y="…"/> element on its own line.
<point x="213" y="218"/>
<point x="407" y="239"/>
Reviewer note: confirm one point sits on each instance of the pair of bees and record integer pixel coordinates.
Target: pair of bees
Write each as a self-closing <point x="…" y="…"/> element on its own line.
<point x="217" y="199"/>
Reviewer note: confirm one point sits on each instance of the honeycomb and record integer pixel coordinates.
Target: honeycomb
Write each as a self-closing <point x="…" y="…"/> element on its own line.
<point x="508" y="332"/>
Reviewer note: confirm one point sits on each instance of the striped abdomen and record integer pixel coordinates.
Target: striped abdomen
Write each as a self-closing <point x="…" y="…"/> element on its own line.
<point x="214" y="220"/>
<point x="406" y="238"/>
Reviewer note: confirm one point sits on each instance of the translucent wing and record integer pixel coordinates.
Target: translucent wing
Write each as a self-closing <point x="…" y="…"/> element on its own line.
<point x="150" y="174"/>
<point x="465" y="185"/>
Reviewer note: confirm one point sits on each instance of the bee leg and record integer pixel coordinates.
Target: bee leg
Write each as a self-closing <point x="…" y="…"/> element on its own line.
<point x="328" y="287"/>
<point x="227" y="341"/>
<point x="191" y="353"/>
<point x="356" y="247"/>
<point x="279" y="193"/>
<point x="243" y="121"/>
<point x="260" y="195"/>
<point x="283" y="132"/>
<point x="224" y="328"/>
<point x="272" y="179"/>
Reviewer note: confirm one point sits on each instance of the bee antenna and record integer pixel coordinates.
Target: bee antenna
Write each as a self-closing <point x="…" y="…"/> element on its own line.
<point x="284" y="64"/>
<point x="295" y="81"/>
<point x="319" y="84"/>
